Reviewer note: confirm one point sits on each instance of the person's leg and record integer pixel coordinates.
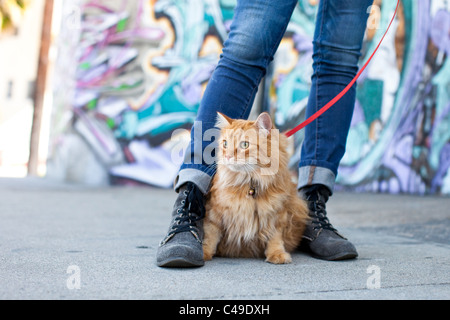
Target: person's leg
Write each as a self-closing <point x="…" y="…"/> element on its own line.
<point x="338" y="37"/>
<point x="255" y="34"/>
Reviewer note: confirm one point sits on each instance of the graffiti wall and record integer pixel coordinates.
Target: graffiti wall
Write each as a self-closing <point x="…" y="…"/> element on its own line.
<point x="142" y="67"/>
<point x="399" y="140"/>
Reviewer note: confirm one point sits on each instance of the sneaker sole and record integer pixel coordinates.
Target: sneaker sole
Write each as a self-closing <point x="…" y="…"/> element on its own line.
<point x="180" y="262"/>
<point x="337" y="257"/>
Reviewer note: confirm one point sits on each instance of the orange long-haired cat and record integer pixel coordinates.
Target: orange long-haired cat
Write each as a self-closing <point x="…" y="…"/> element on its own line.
<point x="252" y="209"/>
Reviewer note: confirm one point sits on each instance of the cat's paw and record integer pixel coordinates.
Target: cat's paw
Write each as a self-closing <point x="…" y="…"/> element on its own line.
<point x="207" y="256"/>
<point x="279" y="257"/>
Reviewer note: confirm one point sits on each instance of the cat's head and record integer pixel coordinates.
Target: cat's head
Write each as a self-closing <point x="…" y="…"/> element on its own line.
<point x="248" y="146"/>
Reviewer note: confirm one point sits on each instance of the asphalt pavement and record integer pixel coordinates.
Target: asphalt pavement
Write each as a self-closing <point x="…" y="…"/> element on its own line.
<point x="60" y="241"/>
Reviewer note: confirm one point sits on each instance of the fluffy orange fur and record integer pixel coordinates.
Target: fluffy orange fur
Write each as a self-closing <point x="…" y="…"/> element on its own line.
<point x="252" y="209"/>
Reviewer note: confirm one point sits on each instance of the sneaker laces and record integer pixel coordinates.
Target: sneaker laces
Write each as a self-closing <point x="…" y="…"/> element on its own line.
<point x="317" y="197"/>
<point x="319" y="217"/>
<point x="191" y="211"/>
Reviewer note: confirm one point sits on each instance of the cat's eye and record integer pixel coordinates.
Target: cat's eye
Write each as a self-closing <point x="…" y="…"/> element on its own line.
<point x="244" y="144"/>
<point x="224" y="144"/>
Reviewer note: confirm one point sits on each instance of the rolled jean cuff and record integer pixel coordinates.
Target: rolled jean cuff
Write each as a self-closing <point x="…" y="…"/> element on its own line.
<point x="310" y="175"/>
<point x="199" y="178"/>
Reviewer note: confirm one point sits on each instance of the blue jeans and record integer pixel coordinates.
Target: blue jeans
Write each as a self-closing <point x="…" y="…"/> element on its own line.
<point x="256" y="31"/>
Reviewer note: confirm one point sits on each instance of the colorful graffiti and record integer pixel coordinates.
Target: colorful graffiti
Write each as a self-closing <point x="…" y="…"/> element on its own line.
<point x="142" y="69"/>
<point x="143" y="66"/>
<point x="399" y="140"/>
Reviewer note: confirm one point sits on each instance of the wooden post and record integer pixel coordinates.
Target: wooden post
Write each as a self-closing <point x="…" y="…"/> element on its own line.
<point x="33" y="160"/>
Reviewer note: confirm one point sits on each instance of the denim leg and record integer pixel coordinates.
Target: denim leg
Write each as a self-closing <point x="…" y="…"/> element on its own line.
<point x="256" y="31"/>
<point x="338" y="37"/>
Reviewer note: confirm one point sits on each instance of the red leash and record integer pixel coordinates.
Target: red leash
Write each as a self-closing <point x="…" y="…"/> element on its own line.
<point x="343" y="92"/>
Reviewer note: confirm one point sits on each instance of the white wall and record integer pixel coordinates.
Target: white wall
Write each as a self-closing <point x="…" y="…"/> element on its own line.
<point x="18" y="64"/>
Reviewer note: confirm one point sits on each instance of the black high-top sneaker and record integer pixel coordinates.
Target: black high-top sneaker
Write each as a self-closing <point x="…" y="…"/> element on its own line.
<point x="182" y="246"/>
<point x="321" y="239"/>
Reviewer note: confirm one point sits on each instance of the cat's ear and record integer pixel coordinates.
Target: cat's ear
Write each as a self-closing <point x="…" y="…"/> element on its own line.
<point x="222" y="120"/>
<point x="264" y="122"/>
